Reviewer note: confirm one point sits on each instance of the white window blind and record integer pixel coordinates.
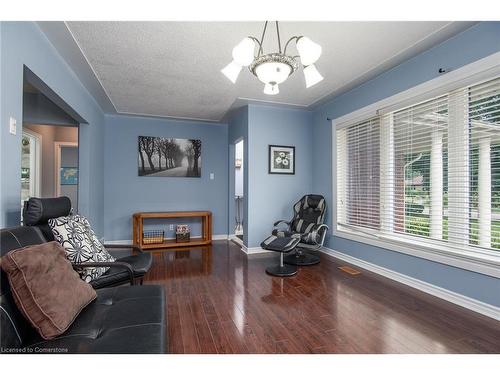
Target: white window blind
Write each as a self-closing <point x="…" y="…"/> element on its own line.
<point x="430" y="171"/>
<point x="484" y="206"/>
<point x="359" y="148"/>
<point x="420" y="145"/>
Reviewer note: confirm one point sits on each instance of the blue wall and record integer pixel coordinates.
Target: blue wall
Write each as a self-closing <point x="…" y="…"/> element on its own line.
<point x="477" y="42"/>
<point x="125" y="192"/>
<point x="270" y="196"/>
<point x="23" y="44"/>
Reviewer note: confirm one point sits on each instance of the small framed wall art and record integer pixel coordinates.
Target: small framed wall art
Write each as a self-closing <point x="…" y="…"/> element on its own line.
<point x="281" y="159"/>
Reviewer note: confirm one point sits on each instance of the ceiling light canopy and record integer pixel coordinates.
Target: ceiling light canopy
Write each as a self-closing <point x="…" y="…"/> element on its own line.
<point x="274" y="68"/>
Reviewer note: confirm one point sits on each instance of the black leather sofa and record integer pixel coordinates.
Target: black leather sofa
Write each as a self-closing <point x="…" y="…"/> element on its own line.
<point x="128" y="269"/>
<point x="127" y="319"/>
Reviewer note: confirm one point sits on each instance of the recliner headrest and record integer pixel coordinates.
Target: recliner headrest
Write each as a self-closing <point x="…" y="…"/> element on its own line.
<point x="38" y="211"/>
<point x="314" y="201"/>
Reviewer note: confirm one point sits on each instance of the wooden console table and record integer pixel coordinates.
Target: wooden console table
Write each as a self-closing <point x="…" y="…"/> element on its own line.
<point x="206" y="229"/>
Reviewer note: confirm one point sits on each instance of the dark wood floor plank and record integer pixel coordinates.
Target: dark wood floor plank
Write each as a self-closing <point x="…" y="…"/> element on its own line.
<point x="189" y="335"/>
<point x="203" y="332"/>
<point x="236" y="340"/>
<point x="221" y="301"/>
<point x="219" y="338"/>
<point x="174" y="325"/>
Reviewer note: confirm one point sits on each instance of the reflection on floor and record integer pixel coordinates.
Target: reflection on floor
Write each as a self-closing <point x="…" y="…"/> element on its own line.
<point x="220" y="301"/>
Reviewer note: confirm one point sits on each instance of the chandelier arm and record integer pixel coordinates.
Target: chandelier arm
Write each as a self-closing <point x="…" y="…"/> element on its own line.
<point x="258" y="42"/>
<point x="262" y="39"/>
<point x="296" y="38"/>
<point x="278" y="32"/>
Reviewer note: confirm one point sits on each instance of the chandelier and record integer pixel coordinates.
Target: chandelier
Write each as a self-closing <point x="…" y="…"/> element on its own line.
<point x="274" y="68"/>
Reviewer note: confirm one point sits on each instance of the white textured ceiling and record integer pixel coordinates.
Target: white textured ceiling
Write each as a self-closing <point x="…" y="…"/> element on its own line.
<point x="172" y="69"/>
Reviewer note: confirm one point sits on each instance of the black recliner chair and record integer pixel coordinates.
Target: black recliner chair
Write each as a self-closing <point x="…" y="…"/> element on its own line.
<point x="129" y="269"/>
<point x="129" y="319"/>
<point x="308" y="225"/>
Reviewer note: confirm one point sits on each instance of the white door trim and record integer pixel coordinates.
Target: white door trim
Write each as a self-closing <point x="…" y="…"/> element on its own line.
<point x="57" y="163"/>
<point x="38" y="160"/>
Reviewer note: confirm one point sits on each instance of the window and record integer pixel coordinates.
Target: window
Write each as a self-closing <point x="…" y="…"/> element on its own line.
<point x="360" y="149"/>
<point x="484" y="195"/>
<point x="428" y="173"/>
<point x="420" y="149"/>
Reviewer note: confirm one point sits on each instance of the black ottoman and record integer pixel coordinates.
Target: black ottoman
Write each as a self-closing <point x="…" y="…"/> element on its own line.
<point x="281" y="245"/>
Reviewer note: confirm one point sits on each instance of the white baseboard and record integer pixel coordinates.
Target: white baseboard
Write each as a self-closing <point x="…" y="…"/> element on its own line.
<point x="235" y="239"/>
<point x="247" y="250"/>
<point x="445" y="294"/>
<point x="215" y="237"/>
<point x="254" y="250"/>
<point x="118" y="242"/>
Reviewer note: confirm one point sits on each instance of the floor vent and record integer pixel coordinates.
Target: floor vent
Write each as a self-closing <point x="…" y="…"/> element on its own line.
<point x="350" y="270"/>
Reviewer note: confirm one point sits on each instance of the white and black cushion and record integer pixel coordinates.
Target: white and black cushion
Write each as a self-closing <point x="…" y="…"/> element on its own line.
<point x="81" y="244"/>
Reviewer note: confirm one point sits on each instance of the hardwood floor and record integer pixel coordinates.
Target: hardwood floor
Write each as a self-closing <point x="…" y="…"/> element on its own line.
<point x="220" y="301"/>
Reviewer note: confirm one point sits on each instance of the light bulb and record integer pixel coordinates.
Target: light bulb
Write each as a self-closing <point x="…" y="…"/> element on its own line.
<point x="231" y="71"/>
<point x="312" y="75"/>
<point x="243" y="53"/>
<point x="308" y="50"/>
<point x="270" y="89"/>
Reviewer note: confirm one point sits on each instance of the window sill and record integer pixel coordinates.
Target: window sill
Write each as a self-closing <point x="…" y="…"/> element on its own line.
<point x="480" y="262"/>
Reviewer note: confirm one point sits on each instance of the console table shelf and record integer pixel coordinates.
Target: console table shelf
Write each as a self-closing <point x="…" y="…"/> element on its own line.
<point x="206" y="229"/>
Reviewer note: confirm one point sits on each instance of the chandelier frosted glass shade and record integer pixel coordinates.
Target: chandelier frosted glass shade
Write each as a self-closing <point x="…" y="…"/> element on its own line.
<point x="312" y="75"/>
<point x="273" y="72"/>
<point x="243" y="53"/>
<point x="308" y="50"/>
<point x="273" y="69"/>
<point x="232" y="71"/>
<point x="270" y="89"/>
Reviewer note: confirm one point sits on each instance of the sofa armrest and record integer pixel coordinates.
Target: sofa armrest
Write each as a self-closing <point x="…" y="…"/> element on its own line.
<point x="117" y="264"/>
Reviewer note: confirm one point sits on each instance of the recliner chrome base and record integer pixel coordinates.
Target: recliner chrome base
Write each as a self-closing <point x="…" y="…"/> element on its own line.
<point x="302" y="259"/>
<point x="282" y="269"/>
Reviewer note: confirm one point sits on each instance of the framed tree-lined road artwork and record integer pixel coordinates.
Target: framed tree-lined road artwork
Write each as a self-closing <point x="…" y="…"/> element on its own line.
<point x="169" y="157"/>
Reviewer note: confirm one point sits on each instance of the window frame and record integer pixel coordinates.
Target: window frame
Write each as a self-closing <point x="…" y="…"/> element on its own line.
<point x="470" y="258"/>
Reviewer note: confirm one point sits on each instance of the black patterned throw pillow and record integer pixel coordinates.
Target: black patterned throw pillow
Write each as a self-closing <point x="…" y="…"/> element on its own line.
<point x="81" y="244"/>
